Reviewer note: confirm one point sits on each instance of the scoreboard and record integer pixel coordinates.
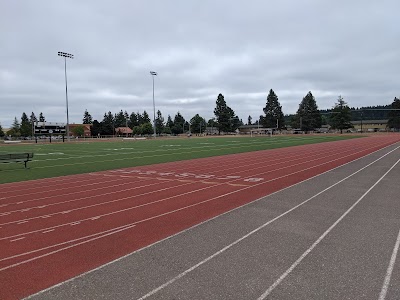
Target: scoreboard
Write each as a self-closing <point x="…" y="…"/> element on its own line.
<point x="47" y="128"/>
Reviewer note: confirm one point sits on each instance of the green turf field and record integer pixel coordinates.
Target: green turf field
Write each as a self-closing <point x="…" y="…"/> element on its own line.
<point x="57" y="159"/>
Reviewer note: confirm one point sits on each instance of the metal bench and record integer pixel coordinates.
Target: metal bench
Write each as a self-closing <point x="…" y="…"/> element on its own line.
<point x="16" y="157"/>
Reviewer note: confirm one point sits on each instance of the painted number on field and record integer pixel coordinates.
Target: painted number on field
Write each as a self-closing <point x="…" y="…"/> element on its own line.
<point x="192" y="175"/>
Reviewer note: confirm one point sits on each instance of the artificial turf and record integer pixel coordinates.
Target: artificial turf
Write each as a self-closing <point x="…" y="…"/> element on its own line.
<point x="77" y="157"/>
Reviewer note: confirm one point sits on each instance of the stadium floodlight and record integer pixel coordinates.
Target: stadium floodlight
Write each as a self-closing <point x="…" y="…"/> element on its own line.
<point x="66" y="55"/>
<point x="152" y="73"/>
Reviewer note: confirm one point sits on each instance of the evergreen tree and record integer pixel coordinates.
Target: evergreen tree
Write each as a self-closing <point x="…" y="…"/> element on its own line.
<point x="95" y="129"/>
<point x="197" y="124"/>
<point x="15" y="129"/>
<point x="169" y="123"/>
<point x="394" y="115"/>
<point x="179" y="122"/>
<point x="87" y="118"/>
<point x="41" y="117"/>
<point x="159" y="122"/>
<point x="308" y="117"/>
<point x="1" y="131"/>
<point x="224" y="115"/>
<point x="107" y="124"/>
<point x="273" y="112"/>
<point x="26" y="126"/>
<point x="133" y="120"/>
<point x="249" y="120"/>
<point x="32" y="118"/>
<point x="340" y="117"/>
<point x="146" y="118"/>
<point x="120" y="120"/>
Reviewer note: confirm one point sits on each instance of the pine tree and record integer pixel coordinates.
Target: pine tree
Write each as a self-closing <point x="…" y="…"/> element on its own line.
<point x="146" y="118"/>
<point x="107" y="124"/>
<point x="249" y="120"/>
<point x="308" y="117"/>
<point x="87" y="118"/>
<point x="225" y="115"/>
<point x="133" y="120"/>
<point x="340" y="117"/>
<point x="394" y="115"/>
<point x="179" y="122"/>
<point x="274" y="117"/>
<point x="197" y="124"/>
<point x="26" y="126"/>
<point x="41" y="117"/>
<point x="159" y="122"/>
<point x="120" y="120"/>
<point x="1" y="131"/>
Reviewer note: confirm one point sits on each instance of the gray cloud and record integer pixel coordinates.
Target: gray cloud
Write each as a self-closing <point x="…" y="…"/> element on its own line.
<point x="200" y="49"/>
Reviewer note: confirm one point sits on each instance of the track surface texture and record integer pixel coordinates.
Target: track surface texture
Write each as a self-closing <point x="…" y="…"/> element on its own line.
<point x="307" y="222"/>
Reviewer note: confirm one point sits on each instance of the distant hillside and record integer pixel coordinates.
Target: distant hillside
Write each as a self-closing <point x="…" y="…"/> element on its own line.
<point x="379" y="112"/>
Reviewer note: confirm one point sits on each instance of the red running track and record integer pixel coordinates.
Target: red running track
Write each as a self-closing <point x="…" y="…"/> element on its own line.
<point x="51" y="232"/>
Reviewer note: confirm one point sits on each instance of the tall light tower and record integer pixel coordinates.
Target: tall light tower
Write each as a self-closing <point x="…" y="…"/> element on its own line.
<point x="66" y="55"/>
<point x="152" y="73"/>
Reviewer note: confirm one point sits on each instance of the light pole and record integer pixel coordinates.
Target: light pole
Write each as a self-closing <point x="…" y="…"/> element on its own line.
<point x="152" y="73"/>
<point x="66" y="55"/>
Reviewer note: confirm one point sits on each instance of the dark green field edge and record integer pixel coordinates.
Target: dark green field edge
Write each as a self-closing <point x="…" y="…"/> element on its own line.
<point x="80" y="158"/>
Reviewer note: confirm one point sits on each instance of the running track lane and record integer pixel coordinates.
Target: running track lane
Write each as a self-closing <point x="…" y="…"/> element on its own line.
<point x="125" y="210"/>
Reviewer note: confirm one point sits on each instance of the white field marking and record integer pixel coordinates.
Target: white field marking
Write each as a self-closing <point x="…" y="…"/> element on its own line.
<point x="299" y="260"/>
<point x="22" y="222"/>
<point x="207" y="221"/>
<point x="50" y="230"/>
<point x="44" y="216"/>
<point x="66" y="212"/>
<point x="165" y="199"/>
<point x="65" y="248"/>
<point x="82" y="198"/>
<point x="21" y="238"/>
<point x="200" y="149"/>
<point x="389" y="270"/>
<point x="261" y="227"/>
<point x="75" y="223"/>
<point x="5" y="213"/>
<point x="66" y="242"/>
<point x="170" y="145"/>
<point x="3" y="205"/>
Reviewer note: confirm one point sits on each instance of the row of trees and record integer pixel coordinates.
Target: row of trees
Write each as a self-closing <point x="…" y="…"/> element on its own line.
<point x="307" y="118"/>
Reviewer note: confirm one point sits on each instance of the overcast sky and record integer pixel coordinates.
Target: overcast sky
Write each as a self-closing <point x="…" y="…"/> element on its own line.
<point x="241" y="49"/>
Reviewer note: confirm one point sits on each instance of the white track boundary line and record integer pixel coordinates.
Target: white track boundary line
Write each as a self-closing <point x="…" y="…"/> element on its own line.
<point x="258" y="229"/>
<point x="68" y="247"/>
<point x="211" y="219"/>
<point x="389" y="271"/>
<point x="216" y="185"/>
<point x="308" y="251"/>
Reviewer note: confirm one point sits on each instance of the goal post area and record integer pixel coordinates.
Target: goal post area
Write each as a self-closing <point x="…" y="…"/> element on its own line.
<point x="261" y="131"/>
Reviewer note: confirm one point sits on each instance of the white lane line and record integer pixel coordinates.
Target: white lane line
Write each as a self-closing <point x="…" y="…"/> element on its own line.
<point x="66" y="242"/>
<point x="209" y="220"/>
<point x="299" y="260"/>
<point x="43" y="217"/>
<point x="22" y="222"/>
<point x="75" y="223"/>
<point x="190" y="182"/>
<point x="264" y="225"/>
<point x="48" y="231"/>
<point x="389" y="271"/>
<point x="21" y="238"/>
<point x="65" y="248"/>
<point x="191" y="192"/>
